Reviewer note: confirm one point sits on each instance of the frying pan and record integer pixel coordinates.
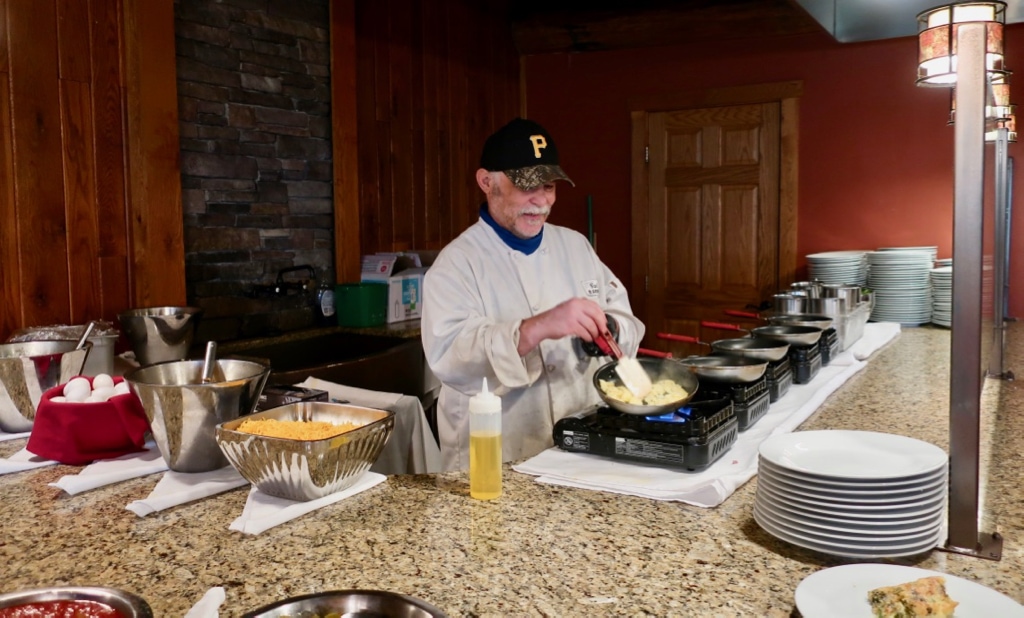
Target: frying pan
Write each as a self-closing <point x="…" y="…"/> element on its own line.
<point x="751" y="347"/>
<point x="725" y="368"/>
<point x="657" y="369"/>
<point x="823" y="322"/>
<point x="793" y="335"/>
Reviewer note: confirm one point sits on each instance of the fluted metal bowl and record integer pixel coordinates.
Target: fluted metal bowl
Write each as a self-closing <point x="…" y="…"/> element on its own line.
<point x="349" y="603"/>
<point x="307" y="469"/>
<point x="160" y="334"/>
<point x="30" y="368"/>
<point x="183" y="411"/>
<point x="128" y="605"/>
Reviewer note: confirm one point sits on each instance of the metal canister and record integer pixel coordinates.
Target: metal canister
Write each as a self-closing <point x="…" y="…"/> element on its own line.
<point x="830" y="306"/>
<point x="812" y="289"/>
<point x="789" y="303"/>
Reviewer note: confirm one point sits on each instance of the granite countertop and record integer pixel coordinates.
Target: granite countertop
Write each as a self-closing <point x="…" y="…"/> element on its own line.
<point x="539" y="550"/>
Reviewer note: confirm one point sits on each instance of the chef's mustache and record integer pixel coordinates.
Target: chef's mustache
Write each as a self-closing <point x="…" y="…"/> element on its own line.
<point x="536" y="210"/>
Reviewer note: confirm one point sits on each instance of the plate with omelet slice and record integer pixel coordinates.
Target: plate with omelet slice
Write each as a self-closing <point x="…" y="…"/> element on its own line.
<point x="844" y="591"/>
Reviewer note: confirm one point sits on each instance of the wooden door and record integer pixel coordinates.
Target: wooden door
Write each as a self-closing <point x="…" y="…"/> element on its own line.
<point x="713" y="210"/>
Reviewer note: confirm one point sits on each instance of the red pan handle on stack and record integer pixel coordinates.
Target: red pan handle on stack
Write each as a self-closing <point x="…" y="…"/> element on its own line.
<point x="722" y="326"/>
<point x="658" y="353"/>
<point x="742" y="314"/>
<point x="685" y="338"/>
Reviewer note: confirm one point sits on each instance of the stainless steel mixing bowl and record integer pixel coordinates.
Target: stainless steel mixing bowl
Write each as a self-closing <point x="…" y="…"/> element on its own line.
<point x="160" y="334"/>
<point x="369" y="603"/>
<point x="27" y="370"/>
<point x="184" y="412"/>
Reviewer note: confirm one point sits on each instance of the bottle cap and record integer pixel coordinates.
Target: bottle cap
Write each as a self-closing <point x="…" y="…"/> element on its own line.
<point x="485" y="402"/>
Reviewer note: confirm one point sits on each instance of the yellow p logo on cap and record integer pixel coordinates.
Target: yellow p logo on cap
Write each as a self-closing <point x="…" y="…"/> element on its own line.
<point x="538" y="143"/>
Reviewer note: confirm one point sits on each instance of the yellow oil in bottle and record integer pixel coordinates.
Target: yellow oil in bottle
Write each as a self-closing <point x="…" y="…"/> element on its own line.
<point x="485" y="465"/>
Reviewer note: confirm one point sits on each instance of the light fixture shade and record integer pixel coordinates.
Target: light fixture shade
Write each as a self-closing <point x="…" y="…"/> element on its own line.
<point x="937" y="36"/>
<point x="997" y="101"/>
<point x="1009" y="123"/>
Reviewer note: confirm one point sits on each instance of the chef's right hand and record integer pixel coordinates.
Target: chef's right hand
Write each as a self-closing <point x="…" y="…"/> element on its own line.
<point x="576" y="317"/>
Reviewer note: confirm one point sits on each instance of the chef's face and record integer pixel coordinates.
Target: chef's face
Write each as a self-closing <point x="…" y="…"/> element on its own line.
<point x="521" y="212"/>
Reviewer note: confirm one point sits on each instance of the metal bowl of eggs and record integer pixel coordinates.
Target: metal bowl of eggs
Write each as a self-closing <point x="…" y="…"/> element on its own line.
<point x="674" y="385"/>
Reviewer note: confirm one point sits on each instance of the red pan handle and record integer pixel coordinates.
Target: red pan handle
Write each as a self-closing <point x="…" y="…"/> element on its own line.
<point x="658" y="353"/>
<point x="741" y="314"/>
<point x="672" y="337"/>
<point x="721" y="326"/>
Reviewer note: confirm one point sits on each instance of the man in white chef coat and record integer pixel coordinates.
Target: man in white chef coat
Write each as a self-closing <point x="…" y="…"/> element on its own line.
<point x="512" y="298"/>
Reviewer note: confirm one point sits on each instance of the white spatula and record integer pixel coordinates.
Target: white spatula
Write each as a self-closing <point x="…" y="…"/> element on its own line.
<point x="629" y="370"/>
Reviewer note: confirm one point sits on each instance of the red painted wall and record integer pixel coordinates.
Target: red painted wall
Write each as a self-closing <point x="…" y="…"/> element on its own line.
<point x="875" y="154"/>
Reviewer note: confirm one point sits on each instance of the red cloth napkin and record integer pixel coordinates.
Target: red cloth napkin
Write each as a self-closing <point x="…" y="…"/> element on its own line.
<point x="80" y="433"/>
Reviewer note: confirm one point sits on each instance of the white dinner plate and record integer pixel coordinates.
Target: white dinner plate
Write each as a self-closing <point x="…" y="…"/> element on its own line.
<point x="848" y="552"/>
<point x="855" y="540"/>
<point x="842" y="592"/>
<point x="879" y="527"/>
<point x="907" y="508"/>
<point x="917" y="482"/>
<point x="853" y="454"/>
<point x="840" y="498"/>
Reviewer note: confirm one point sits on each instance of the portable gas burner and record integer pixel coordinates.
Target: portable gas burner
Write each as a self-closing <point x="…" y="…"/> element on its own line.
<point x="805" y="361"/>
<point x="750" y="400"/>
<point x="829" y="344"/>
<point x="692" y="437"/>
<point x="780" y="378"/>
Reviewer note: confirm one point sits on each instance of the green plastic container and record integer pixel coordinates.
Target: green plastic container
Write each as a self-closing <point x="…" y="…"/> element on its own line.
<point x="361" y="304"/>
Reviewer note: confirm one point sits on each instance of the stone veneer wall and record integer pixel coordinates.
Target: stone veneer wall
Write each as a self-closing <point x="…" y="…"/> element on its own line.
<point x="254" y="108"/>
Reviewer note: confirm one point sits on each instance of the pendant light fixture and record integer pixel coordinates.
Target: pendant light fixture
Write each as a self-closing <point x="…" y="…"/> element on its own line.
<point x="937" y="40"/>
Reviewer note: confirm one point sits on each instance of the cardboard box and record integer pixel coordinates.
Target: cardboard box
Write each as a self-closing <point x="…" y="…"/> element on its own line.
<point x="403" y="274"/>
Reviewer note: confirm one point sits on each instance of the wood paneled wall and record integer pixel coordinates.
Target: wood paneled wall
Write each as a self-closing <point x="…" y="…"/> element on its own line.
<point x="90" y="206"/>
<point x="433" y="80"/>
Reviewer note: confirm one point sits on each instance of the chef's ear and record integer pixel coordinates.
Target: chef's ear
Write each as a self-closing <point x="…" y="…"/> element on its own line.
<point x="484" y="180"/>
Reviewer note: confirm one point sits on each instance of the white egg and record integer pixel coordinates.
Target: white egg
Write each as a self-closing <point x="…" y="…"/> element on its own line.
<point x="102" y="393"/>
<point x="121" y="388"/>
<point x="59" y="399"/>
<point x="102" y="380"/>
<point x="77" y="389"/>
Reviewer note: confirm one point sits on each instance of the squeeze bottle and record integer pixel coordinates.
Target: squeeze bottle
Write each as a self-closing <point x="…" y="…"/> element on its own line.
<point x="485" y="445"/>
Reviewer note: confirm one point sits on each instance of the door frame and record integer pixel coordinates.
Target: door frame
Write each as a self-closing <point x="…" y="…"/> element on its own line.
<point x="787" y="94"/>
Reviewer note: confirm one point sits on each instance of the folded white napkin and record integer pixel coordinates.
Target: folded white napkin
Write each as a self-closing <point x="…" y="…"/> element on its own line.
<point x="23" y="460"/>
<point x="706" y="488"/>
<point x="876" y="335"/>
<point x="13" y="436"/>
<point x="209" y="605"/>
<point x="180" y="487"/>
<point x="263" y="512"/>
<point x="110" y="471"/>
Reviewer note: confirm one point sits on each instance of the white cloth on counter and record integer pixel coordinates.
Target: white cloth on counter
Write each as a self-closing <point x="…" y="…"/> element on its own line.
<point x="4" y="436"/>
<point x="23" y="460"/>
<point x="705" y="488"/>
<point x="411" y="449"/>
<point x="110" y="471"/>
<point x="209" y="605"/>
<point x="181" y="487"/>
<point x="876" y="336"/>
<point x="263" y="512"/>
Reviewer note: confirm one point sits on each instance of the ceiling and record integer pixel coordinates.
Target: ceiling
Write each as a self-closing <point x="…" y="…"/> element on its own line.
<point x="549" y="26"/>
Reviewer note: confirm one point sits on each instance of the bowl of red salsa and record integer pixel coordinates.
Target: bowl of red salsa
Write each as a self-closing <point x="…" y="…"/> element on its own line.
<point x="73" y="602"/>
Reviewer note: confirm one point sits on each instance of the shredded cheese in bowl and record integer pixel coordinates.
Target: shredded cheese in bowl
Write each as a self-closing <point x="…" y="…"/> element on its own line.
<point x="295" y="430"/>
<point x="662" y="392"/>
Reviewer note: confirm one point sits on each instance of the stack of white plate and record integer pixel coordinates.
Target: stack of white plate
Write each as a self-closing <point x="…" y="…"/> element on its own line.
<point x="859" y="494"/>
<point x="942" y="295"/>
<point x="838" y="267"/>
<point x="902" y="288"/>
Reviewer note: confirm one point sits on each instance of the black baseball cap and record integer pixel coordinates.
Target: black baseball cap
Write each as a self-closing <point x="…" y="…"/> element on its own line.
<point x="525" y="152"/>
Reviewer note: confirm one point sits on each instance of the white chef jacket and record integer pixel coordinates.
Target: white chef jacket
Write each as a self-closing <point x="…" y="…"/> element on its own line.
<point x="475" y="296"/>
